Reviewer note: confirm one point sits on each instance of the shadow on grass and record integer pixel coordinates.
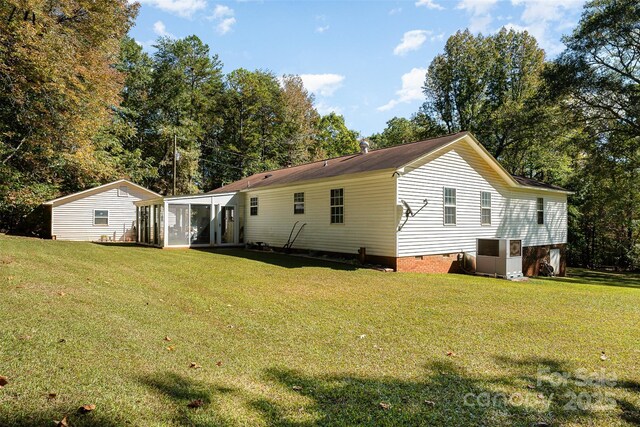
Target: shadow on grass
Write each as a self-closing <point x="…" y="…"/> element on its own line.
<point x="448" y="396"/>
<point x="48" y="414"/>
<point x="281" y="259"/>
<point x="593" y="277"/>
<point x="181" y="391"/>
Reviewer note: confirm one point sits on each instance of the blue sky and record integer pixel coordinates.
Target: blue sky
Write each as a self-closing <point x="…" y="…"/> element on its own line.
<point x="363" y="59"/>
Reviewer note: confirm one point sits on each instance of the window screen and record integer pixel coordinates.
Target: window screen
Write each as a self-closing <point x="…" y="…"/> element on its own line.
<point x="485" y="208"/>
<point x="337" y="206"/>
<point x="449" y="206"/>
<point x="540" y="210"/>
<point x="298" y="203"/>
<point x="253" y="206"/>
<point x="100" y="217"/>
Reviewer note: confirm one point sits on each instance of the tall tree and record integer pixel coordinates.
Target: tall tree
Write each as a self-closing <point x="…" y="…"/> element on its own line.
<point x="492" y="86"/>
<point x="400" y="130"/>
<point x="56" y="86"/>
<point x="334" y="138"/>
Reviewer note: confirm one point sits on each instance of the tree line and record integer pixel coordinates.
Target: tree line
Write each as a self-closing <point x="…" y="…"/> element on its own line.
<point x="82" y="103"/>
<point x="572" y="121"/>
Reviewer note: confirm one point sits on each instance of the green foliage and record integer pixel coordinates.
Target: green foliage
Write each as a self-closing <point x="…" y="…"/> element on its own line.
<point x="400" y="130"/>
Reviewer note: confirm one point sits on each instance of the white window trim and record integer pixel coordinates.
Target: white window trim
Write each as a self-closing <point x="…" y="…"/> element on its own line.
<point x="540" y="210"/>
<point x="257" y="206"/>
<point x="94" y="218"/>
<point x="445" y="206"/>
<point x="304" y="208"/>
<point x="490" y="208"/>
<point x="343" y="207"/>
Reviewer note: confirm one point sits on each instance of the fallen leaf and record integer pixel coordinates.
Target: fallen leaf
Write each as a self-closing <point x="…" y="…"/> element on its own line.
<point x="219" y="363"/>
<point x="25" y="337"/>
<point x="63" y="422"/>
<point x="52" y="396"/>
<point x="171" y="348"/>
<point x="541" y="396"/>
<point x="385" y="405"/>
<point x="531" y="386"/>
<point x="297" y="387"/>
<point x="603" y="356"/>
<point x="167" y="339"/>
<point x="194" y="365"/>
<point x="61" y="293"/>
<point x="61" y="340"/>
<point x="196" y="403"/>
<point x="362" y="336"/>
<point x="87" y="408"/>
<point x="451" y="354"/>
<point x="430" y="402"/>
<point x="3" y="381"/>
<point x="230" y="326"/>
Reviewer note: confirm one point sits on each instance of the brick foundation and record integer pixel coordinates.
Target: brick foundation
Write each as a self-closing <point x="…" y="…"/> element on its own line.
<point x="447" y="263"/>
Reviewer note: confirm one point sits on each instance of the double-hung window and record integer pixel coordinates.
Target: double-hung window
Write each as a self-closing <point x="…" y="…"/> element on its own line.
<point x="337" y="206"/>
<point x="253" y="206"/>
<point x="540" y="210"/>
<point x="100" y="217"/>
<point x="449" y="206"/>
<point x="485" y="208"/>
<point x="298" y="203"/>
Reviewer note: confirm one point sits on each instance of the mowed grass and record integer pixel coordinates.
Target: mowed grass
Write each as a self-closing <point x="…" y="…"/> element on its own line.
<point x="291" y="341"/>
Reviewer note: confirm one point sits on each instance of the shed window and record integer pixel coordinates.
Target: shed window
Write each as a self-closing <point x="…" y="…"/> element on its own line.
<point x="540" y="210"/>
<point x="485" y="208"/>
<point x="337" y="206"/>
<point x="100" y="217"/>
<point x="253" y="206"/>
<point x="298" y="203"/>
<point x="449" y="206"/>
<point x="123" y="191"/>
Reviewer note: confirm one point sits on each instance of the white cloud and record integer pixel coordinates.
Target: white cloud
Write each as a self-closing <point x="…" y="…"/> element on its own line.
<point x="184" y="8"/>
<point x="480" y="13"/>
<point x="160" y="29"/>
<point x="411" y="40"/>
<point x="321" y="29"/>
<point x="411" y="89"/>
<point x="221" y="11"/>
<point x="395" y="11"/>
<point x="324" y="109"/>
<point x="322" y="84"/>
<point x="224" y="17"/>
<point x="225" y="25"/>
<point x="429" y="4"/>
<point x="539" y="15"/>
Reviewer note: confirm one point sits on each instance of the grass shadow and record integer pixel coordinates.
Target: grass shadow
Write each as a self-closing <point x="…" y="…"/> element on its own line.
<point x="47" y="416"/>
<point x="596" y="277"/>
<point x="446" y="396"/>
<point x="281" y="259"/>
<point x="182" y="391"/>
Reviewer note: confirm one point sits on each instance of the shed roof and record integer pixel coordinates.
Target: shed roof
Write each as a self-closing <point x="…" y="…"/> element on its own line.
<point x="375" y="160"/>
<point x="98" y="189"/>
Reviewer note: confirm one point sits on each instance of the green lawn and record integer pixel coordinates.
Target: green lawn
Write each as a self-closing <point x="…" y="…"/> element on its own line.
<point x="291" y="341"/>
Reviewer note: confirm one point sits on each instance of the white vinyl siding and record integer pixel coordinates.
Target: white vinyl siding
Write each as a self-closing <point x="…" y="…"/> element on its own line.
<point x="369" y="215"/>
<point x="512" y="213"/>
<point x="74" y="218"/>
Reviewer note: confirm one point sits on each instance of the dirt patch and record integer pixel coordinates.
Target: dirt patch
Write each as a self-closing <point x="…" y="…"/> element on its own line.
<point x="6" y="259"/>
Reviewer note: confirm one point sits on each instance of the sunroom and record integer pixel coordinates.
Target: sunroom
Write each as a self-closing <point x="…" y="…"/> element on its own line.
<point x="190" y="221"/>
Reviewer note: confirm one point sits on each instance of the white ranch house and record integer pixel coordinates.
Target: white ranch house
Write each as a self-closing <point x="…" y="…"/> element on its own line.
<point x="413" y="207"/>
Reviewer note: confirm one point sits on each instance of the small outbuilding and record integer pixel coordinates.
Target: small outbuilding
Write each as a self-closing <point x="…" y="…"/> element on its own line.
<point x="104" y="213"/>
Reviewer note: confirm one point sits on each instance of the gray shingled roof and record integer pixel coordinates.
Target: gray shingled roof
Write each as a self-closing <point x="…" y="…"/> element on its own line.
<point x="380" y="159"/>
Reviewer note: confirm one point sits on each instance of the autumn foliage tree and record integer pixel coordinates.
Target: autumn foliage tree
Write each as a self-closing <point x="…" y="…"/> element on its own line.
<point x="57" y="85"/>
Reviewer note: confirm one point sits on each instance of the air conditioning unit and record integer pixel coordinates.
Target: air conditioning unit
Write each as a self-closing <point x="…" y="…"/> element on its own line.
<point x="499" y="257"/>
